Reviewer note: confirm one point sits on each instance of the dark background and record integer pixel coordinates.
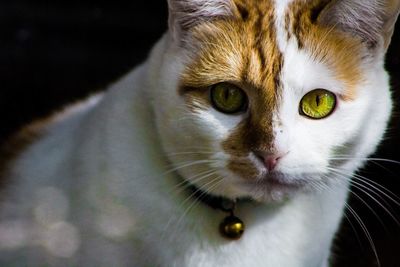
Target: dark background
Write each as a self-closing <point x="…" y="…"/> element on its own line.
<point x="54" y="52"/>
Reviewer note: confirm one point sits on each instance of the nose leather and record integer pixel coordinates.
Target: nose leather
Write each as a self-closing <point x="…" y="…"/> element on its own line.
<point x="270" y="160"/>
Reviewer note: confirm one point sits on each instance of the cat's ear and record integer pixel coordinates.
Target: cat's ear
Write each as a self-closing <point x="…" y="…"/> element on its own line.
<point x="371" y="20"/>
<point x="185" y="14"/>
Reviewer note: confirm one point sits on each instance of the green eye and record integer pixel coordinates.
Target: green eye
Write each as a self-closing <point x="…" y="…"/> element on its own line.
<point x="228" y="98"/>
<point x="318" y="104"/>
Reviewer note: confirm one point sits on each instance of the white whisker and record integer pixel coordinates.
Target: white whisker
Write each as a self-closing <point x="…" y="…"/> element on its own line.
<point x="191" y="179"/>
<point x="191" y="153"/>
<point x="374" y="185"/>
<point x="203" y="190"/>
<point x="339" y="158"/>
<point x="365" y="189"/>
<point x="365" y="230"/>
<point x="189" y="164"/>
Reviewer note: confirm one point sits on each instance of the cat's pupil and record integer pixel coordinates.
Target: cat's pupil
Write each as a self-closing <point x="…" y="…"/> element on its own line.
<point x="318" y="100"/>
<point x="227" y="94"/>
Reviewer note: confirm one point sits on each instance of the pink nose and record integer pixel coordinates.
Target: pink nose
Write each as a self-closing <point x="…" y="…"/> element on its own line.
<point x="270" y="160"/>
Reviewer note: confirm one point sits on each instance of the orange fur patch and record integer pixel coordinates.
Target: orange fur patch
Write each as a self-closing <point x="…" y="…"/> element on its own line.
<point x="243" y="51"/>
<point x="340" y="51"/>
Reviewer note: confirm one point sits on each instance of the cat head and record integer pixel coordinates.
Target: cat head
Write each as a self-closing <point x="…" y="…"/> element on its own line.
<point x="262" y="98"/>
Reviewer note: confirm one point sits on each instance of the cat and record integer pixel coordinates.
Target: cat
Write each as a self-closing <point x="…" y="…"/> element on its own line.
<point x="234" y="144"/>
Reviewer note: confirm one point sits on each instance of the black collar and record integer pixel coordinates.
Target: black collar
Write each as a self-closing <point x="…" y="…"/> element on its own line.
<point x="215" y="202"/>
<point x="231" y="227"/>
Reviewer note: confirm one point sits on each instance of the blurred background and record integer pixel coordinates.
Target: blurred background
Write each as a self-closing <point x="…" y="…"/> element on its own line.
<point x="55" y="52"/>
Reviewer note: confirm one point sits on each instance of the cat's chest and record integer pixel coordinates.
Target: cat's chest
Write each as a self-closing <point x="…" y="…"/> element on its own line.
<point x="272" y="238"/>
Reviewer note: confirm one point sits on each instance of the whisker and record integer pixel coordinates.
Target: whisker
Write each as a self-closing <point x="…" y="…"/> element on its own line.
<point x="325" y="187"/>
<point x="367" y="205"/>
<point x="365" y="189"/>
<point x="201" y="148"/>
<point x="367" y="159"/>
<point x="181" y="204"/>
<point x="354" y="229"/>
<point x="204" y="190"/>
<point x="188" y="198"/>
<point x="376" y="186"/>
<point x="365" y="230"/>
<point x="186" y="183"/>
<point x="371" y="184"/>
<point x="191" y="178"/>
<point x="320" y="185"/>
<point x="189" y="164"/>
<point x="190" y="153"/>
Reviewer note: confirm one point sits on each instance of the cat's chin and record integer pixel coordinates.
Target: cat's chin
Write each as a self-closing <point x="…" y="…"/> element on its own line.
<point x="273" y="188"/>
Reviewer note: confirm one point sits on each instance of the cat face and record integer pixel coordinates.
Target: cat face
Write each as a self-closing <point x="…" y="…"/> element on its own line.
<point x="263" y="100"/>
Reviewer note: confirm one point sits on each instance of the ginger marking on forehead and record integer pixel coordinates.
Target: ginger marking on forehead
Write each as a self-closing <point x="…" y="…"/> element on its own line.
<point x="341" y="52"/>
<point x="242" y="50"/>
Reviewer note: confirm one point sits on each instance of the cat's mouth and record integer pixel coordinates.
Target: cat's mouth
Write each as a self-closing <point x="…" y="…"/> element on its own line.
<point x="274" y="181"/>
<point x="274" y="187"/>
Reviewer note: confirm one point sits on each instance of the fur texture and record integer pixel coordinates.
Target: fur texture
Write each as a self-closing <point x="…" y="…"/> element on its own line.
<point x="102" y="183"/>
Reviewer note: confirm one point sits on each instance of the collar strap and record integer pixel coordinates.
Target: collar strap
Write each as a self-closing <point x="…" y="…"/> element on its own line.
<point x="215" y="202"/>
<point x="231" y="227"/>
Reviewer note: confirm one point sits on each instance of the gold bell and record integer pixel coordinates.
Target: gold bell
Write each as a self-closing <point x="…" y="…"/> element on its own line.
<point x="232" y="227"/>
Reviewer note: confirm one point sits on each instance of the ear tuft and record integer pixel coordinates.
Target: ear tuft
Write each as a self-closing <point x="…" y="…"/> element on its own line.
<point x="185" y="14"/>
<point x="371" y="20"/>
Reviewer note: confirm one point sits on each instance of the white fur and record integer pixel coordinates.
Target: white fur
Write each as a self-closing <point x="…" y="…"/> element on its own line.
<point x="96" y="189"/>
<point x="187" y="13"/>
<point x="371" y="20"/>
